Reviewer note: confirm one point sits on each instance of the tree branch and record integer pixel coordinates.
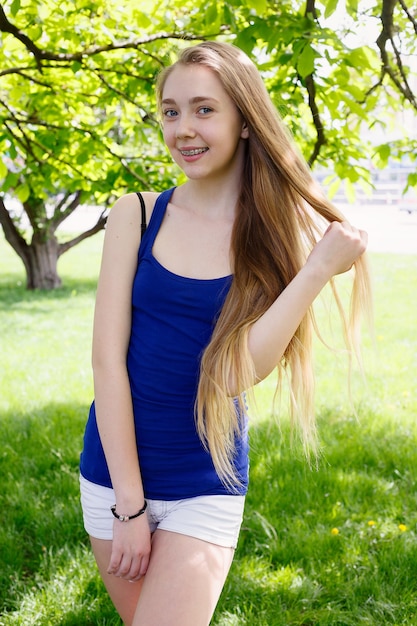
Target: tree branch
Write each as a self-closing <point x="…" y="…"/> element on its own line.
<point x="20" y="71"/>
<point x="99" y="225"/>
<point x="60" y="215"/>
<point x="312" y="103"/>
<point x="412" y="19"/>
<point x="311" y="8"/>
<point x="16" y="70"/>
<point x="321" y="137"/>
<point x="128" y="169"/>
<point x="118" y="92"/>
<point x="27" y="144"/>
<point x="23" y="141"/>
<point x="387" y="34"/>
<point x="62" y="202"/>
<point x="8" y="27"/>
<point x="13" y="237"/>
<point x="45" y="55"/>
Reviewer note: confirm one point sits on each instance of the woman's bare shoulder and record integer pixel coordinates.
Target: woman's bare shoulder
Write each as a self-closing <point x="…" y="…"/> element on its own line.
<point x="128" y="207"/>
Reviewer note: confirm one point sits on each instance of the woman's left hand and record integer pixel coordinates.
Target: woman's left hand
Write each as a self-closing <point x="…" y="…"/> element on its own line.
<point x="342" y="244"/>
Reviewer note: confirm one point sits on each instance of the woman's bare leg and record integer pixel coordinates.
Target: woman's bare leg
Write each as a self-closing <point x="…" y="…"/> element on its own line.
<point x="123" y="594"/>
<point x="183" y="583"/>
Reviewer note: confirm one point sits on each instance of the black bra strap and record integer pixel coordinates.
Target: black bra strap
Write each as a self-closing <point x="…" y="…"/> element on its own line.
<point x="143" y="209"/>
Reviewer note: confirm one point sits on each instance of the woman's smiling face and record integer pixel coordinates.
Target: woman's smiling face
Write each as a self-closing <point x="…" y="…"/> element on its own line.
<point x="202" y="127"/>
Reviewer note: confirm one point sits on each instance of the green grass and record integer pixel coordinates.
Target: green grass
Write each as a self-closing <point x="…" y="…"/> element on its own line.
<point x="329" y="546"/>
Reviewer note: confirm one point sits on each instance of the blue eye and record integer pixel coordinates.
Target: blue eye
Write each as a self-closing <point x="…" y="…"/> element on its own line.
<point x="170" y="113"/>
<point x="205" y="110"/>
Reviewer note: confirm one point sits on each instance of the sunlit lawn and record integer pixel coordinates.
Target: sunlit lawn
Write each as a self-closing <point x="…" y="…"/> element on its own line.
<point x="329" y="546"/>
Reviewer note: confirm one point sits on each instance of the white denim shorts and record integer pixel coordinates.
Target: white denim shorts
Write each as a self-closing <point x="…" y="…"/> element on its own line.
<point x="216" y="519"/>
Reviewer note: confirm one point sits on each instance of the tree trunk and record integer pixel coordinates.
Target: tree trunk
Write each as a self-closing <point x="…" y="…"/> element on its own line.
<point x="41" y="263"/>
<point x="40" y="257"/>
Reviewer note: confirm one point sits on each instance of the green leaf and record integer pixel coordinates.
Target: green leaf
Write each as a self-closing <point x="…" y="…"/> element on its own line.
<point x="350" y="191"/>
<point x="12" y="151"/>
<point x="259" y="6"/>
<point x="331" y="6"/>
<point x="356" y="108"/>
<point x="142" y="19"/>
<point x="14" y="7"/>
<point x="412" y="179"/>
<point x="360" y="58"/>
<point x="10" y="181"/>
<point x="211" y="13"/>
<point x="333" y="188"/>
<point x="355" y="91"/>
<point x="352" y="174"/>
<point x="108" y="124"/>
<point x="352" y="7"/>
<point x="83" y="157"/>
<point x="3" y="170"/>
<point x="35" y="32"/>
<point x="76" y="66"/>
<point x="23" y="192"/>
<point x="384" y="152"/>
<point x="342" y="76"/>
<point x="229" y="17"/>
<point x="305" y="62"/>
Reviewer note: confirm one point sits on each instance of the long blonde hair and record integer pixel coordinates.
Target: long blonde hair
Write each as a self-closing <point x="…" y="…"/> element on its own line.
<point x="276" y="228"/>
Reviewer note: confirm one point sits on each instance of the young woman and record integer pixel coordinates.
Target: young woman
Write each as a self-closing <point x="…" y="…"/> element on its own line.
<point x="218" y="295"/>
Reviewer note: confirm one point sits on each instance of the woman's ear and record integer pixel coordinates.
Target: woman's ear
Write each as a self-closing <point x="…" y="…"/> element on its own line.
<point x="245" y="131"/>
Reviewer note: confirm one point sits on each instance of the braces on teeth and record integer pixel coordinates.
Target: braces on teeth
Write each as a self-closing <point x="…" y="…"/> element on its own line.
<point x="193" y="152"/>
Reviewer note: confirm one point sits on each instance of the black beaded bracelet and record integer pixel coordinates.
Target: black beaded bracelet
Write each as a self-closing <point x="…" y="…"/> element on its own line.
<point x="126" y="518"/>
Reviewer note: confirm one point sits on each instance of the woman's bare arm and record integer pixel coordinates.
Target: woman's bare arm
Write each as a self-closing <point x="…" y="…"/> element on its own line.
<point x="112" y="325"/>
<point x="334" y="254"/>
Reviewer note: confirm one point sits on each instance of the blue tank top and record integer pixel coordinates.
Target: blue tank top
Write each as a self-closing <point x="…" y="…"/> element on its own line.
<point x="172" y="322"/>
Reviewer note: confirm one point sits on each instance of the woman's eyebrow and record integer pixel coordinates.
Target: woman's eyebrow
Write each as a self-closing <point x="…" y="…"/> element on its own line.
<point x="194" y="100"/>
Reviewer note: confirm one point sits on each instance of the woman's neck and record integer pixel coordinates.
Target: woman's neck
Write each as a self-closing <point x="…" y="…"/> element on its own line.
<point x="216" y="199"/>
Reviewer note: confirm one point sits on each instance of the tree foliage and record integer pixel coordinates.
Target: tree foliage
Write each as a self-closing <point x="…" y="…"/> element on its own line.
<point x="78" y="122"/>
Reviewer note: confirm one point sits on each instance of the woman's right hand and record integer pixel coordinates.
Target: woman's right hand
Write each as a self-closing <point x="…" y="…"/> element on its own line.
<point x="131" y="548"/>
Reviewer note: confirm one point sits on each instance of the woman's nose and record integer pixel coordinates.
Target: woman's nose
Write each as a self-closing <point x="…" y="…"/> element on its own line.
<point x="184" y="127"/>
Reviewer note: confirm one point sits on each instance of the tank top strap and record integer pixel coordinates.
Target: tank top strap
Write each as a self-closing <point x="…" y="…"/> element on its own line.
<point x="155" y="222"/>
